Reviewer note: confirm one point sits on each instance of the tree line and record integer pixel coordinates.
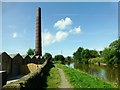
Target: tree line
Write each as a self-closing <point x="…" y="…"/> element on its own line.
<point x="109" y="55"/>
<point x="57" y="58"/>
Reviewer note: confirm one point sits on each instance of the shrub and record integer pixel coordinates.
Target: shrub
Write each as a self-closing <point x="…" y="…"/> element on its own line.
<point x="96" y="60"/>
<point x="30" y="51"/>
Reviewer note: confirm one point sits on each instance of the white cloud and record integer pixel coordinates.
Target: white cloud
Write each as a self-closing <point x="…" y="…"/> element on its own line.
<point x="14" y="35"/>
<point x="75" y="30"/>
<point x="60" y="35"/>
<point x="78" y="30"/>
<point x="48" y="38"/>
<point x="61" y="24"/>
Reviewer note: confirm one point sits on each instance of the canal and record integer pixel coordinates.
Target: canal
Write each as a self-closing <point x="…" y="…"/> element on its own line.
<point x="109" y="73"/>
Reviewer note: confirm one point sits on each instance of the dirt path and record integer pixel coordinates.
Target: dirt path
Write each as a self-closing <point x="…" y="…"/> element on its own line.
<point x="64" y="83"/>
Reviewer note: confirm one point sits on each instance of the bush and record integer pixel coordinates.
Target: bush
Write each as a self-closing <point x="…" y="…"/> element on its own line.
<point x="96" y="60"/>
<point x="30" y="51"/>
<point x="59" y="58"/>
<point x="48" y="56"/>
<point x="111" y="54"/>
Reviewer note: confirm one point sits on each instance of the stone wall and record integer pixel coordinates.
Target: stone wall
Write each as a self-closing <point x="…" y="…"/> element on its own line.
<point x="30" y="81"/>
<point x="15" y="65"/>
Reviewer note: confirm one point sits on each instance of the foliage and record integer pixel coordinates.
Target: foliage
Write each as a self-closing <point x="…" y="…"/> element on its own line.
<point x="48" y="56"/>
<point x="30" y="51"/>
<point x="77" y="55"/>
<point x="53" y="80"/>
<point x="111" y="54"/>
<point x="96" y="60"/>
<point x="93" y="53"/>
<point x="100" y="53"/>
<point x="83" y="55"/>
<point x="68" y="59"/>
<point x="57" y="62"/>
<point x="59" y="58"/>
<point x="81" y="79"/>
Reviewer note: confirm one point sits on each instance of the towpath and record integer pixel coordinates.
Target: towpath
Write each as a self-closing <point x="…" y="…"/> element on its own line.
<point x="64" y="82"/>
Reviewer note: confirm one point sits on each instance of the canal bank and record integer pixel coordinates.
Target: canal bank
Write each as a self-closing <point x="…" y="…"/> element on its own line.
<point x="80" y="79"/>
<point x="109" y="73"/>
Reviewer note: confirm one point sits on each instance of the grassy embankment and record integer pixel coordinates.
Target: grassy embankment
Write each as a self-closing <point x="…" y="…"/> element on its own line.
<point x="81" y="79"/>
<point x="53" y="80"/>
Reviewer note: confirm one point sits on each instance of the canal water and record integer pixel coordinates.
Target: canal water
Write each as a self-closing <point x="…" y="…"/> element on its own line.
<point x="107" y="72"/>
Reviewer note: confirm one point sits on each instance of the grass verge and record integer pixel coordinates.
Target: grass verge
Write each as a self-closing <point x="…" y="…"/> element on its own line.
<point x="80" y="79"/>
<point x="54" y="79"/>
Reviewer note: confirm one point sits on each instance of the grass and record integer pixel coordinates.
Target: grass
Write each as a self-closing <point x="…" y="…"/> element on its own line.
<point x="54" y="79"/>
<point x="80" y="79"/>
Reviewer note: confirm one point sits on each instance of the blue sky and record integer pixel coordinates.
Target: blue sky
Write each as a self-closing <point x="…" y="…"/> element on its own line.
<point x="65" y="26"/>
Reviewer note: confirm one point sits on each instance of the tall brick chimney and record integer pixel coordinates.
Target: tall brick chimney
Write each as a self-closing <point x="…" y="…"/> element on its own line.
<point x="38" y="50"/>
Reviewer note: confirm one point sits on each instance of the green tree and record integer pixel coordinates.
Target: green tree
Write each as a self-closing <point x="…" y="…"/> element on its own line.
<point x="68" y="59"/>
<point x="59" y="58"/>
<point x="77" y="55"/>
<point x="30" y="51"/>
<point x="112" y="53"/>
<point x="94" y="54"/>
<point x="100" y="52"/>
<point x="48" y="56"/>
<point x="115" y="44"/>
<point x="85" y="56"/>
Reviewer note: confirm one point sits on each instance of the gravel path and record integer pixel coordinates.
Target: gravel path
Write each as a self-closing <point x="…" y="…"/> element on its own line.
<point x="64" y="83"/>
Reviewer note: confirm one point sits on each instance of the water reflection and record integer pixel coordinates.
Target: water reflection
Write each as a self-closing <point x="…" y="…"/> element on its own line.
<point x="109" y="72"/>
<point x="70" y="65"/>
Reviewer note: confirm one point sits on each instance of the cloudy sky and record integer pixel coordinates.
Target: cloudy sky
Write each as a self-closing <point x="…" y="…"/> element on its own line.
<point x="65" y="26"/>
